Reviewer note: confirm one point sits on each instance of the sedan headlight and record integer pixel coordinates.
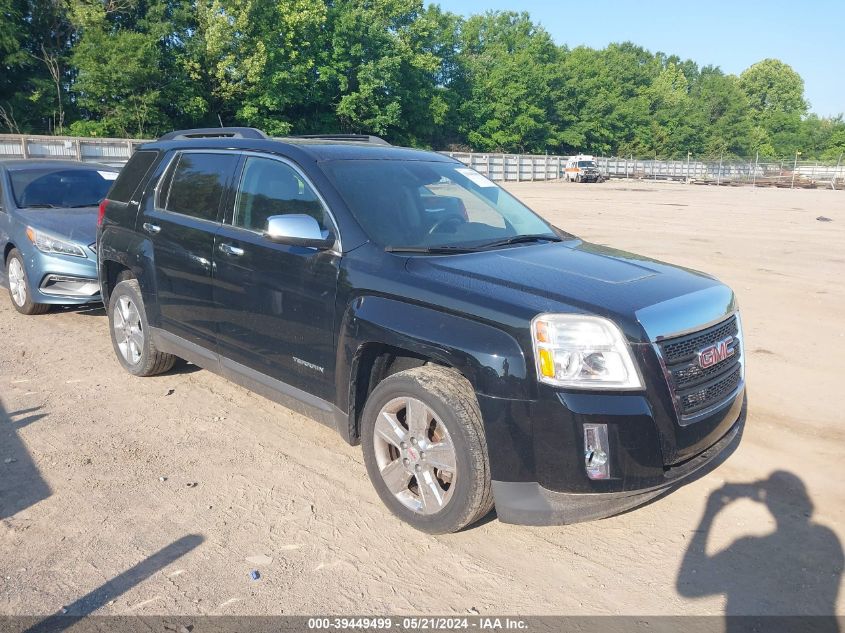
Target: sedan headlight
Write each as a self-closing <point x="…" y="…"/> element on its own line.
<point x="53" y="245"/>
<point x="583" y="352"/>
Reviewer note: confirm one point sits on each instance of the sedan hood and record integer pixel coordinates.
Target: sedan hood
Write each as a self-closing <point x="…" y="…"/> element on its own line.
<point x="77" y="225"/>
<point x="571" y="276"/>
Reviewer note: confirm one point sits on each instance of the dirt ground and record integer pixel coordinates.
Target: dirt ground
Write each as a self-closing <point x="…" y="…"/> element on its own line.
<point x="161" y="495"/>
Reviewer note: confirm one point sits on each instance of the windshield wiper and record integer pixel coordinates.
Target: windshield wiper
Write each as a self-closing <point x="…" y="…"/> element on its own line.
<point x="40" y="205"/>
<point x="521" y="239"/>
<point x="80" y="206"/>
<point x="431" y="250"/>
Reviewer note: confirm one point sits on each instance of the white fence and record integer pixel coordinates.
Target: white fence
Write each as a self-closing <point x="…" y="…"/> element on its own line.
<point x="513" y="167"/>
<point x="111" y="151"/>
<point x="501" y="167"/>
<point x="756" y="172"/>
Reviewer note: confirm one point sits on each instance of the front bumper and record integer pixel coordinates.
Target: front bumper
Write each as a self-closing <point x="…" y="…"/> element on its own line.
<point x="61" y="279"/>
<point x="529" y="503"/>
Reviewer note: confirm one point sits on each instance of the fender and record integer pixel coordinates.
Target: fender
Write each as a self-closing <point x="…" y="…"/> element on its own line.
<point x="135" y="252"/>
<point x="491" y="359"/>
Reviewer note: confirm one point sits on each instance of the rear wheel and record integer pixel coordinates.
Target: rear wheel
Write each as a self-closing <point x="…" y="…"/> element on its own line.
<point x="425" y="449"/>
<point x="130" y="333"/>
<point x="19" y="286"/>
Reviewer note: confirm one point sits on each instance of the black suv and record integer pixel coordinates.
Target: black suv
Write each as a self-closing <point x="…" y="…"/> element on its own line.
<point x="480" y="355"/>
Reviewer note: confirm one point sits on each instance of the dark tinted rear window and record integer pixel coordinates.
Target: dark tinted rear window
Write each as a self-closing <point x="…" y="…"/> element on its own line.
<point x="131" y="175"/>
<point x="199" y="181"/>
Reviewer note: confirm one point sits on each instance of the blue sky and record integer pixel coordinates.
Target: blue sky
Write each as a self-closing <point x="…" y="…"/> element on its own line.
<point x="809" y="36"/>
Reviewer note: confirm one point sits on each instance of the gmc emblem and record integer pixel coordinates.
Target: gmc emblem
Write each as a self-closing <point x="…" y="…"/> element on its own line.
<point x="716" y="353"/>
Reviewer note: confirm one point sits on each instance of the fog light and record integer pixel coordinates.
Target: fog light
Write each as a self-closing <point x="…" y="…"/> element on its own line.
<point x="596" y="451"/>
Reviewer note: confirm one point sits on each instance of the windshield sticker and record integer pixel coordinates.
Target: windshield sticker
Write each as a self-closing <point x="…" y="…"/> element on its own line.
<point x="475" y="177"/>
<point x="108" y="175"/>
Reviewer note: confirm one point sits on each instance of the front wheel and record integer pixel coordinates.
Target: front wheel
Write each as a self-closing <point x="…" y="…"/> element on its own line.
<point x="19" y="286"/>
<point x="130" y="333"/>
<point x="425" y="449"/>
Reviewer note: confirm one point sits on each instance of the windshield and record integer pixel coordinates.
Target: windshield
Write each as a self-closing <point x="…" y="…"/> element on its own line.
<point x="430" y="204"/>
<point x="46" y="187"/>
<point x="586" y="163"/>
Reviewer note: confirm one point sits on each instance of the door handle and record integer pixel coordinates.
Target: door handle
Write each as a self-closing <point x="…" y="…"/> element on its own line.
<point x="228" y="249"/>
<point x="152" y="229"/>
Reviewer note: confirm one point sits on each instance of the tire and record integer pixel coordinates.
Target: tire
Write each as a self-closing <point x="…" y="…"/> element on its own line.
<point x="19" y="286"/>
<point x="443" y="500"/>
<point x="130" y="332"/>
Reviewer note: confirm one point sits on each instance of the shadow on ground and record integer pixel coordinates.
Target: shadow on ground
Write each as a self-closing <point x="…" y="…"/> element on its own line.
<point x="90" y="602"/>
<point x="796" y="570"/>
<point x="21" y="483"/>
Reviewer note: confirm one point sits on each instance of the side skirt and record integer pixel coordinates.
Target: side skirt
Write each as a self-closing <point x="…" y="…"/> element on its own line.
<point x="284" y="394"/>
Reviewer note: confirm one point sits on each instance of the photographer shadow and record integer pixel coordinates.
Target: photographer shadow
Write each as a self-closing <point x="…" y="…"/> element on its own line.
<point x="794" y="571"/>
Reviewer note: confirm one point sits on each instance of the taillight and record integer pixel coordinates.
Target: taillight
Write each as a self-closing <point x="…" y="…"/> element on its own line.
<point x="102" y="212"/>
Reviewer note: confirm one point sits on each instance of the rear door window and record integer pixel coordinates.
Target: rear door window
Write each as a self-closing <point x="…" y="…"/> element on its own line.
<point x="198" y="183"/>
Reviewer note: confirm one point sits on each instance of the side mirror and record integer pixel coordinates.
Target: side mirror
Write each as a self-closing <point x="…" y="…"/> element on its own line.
<point x="298" y="230"/>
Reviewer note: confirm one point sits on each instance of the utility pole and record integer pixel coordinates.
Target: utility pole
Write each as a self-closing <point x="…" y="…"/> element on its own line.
<point x="794" y="167"/>
<point x="754" y="175"/>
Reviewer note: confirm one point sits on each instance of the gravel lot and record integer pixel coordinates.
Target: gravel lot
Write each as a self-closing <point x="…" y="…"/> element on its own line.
<point x="161" y="495"/>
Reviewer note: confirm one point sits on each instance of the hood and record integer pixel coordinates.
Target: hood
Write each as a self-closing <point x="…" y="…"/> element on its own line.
<point x="77" y="225"/>
<point x="570" y="276"/>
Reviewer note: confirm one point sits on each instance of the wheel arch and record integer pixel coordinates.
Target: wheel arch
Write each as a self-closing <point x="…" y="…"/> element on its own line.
<point x="380" y="336"/>
<point x="111" y="272"/>
<point x="123" y="250"/>
<point x="10" y="246"/>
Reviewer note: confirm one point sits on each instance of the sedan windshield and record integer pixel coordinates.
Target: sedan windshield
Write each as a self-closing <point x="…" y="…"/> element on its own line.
<point x="427" y="206"/>
<point x="47" y="188"/>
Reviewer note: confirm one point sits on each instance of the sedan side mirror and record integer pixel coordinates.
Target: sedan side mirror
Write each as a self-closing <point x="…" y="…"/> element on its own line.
<point x="298" y="230"/>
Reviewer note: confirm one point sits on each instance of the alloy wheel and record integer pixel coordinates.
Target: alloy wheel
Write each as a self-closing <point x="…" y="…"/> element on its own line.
<point x="128" y="331"/>
<point x="17" y="281"/>
<point x="415" y="455"/>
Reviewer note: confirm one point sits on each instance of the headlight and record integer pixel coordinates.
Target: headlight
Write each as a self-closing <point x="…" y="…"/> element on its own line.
<point x="583" y="352"/>
<point x="49" y="244"/>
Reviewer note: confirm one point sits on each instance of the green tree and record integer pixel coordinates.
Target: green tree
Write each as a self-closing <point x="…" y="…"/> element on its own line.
<point x="509" y="83"/>
<point x="775" y="95"/>
<point x="721" y="114"/>
<point x="255" y="60"/>
<point x="604" y="101"/>
<point x="388" y="68"/>
<point x="773" y="86"/>
<point x="36" y="37"/>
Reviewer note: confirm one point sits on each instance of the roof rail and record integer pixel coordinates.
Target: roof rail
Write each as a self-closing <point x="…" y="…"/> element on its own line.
<point x="359" y="138"/>
<point x="214" y="132"/>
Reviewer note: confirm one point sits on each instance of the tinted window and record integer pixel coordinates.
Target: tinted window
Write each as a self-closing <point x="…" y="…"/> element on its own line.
<point x="49" y="187"/>
<point x="269" y="188"/>
<point x="417" y="203"/>
<point x="199" y="181"/>
<point x="131" y="175"/>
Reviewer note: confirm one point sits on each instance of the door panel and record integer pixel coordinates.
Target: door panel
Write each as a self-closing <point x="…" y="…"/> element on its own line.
<point x="275" y="302"/>
<point x="181" y="221"/>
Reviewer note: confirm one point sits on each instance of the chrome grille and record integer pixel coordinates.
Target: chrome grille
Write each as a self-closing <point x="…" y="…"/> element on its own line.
<point x="684" y="347"/>
<point x="695" y="389"/>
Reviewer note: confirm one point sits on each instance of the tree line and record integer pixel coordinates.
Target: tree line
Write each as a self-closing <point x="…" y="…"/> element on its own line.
<point x="412" y="73"/>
